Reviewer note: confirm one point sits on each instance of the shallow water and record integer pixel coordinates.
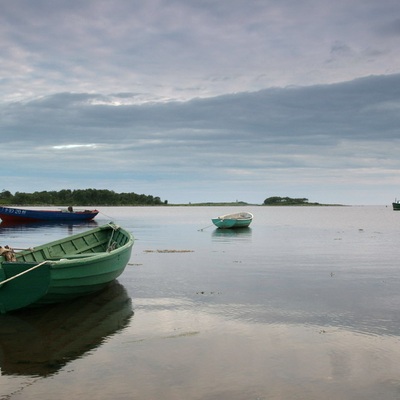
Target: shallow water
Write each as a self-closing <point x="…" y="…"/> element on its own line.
<point x="302" y="305"/>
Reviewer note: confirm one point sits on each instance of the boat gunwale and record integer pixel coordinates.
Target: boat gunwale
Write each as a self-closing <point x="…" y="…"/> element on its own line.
<point x="56" y="259"/>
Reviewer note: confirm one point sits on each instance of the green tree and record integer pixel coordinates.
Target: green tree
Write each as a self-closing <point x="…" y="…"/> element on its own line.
<point x="84" y="197"/>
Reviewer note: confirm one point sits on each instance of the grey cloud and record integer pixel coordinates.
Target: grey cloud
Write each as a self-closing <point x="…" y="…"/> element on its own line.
<point x="340" y="49"/>
<point x="181" y="49"/>
<point x="360" y="109"/>
<point x="390" y="29"/>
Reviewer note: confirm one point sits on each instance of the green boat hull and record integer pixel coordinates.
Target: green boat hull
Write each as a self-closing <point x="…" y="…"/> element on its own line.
<point x="232" y="221"/>
<point x="65" y="269"/>
<point x="23" y="290"/>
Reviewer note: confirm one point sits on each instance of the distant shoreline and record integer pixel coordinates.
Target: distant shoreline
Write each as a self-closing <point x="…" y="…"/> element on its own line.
<point x="242" y="204"/>
<point x="205" y="204"/>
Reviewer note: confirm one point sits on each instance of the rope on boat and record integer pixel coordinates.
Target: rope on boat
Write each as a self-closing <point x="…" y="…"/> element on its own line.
<point x="24" y="272"/>
<point x="205" y="227"/>
<point x="107" y="216"/>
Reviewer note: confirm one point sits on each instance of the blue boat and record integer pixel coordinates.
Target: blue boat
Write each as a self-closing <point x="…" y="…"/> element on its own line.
<point x="230" y="221"/>
<point x="20" y="215"/>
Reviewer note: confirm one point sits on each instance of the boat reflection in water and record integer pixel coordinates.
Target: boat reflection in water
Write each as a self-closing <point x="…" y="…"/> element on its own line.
<point x="232" y="234"/>
<point x="29" y="235"/>
<point x="39" y="342"/>
<point x="37" y="227"/>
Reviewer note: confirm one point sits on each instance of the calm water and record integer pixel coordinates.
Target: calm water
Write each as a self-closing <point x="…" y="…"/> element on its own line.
<point x="302" y="305"/>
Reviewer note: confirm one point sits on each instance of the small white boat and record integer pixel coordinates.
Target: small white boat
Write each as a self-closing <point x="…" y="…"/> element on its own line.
<point x="236" y="220"/>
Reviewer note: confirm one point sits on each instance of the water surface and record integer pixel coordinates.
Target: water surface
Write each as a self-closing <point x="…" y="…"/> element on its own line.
<point x="304" y="304"/>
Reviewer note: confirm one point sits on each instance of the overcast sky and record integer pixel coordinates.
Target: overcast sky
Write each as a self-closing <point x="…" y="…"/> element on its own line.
<point x="202" y="100"/>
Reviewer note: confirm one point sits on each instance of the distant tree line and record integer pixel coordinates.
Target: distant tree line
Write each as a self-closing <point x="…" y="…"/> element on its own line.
<point x="84" y="197"/>
<point x="286" y="201"/>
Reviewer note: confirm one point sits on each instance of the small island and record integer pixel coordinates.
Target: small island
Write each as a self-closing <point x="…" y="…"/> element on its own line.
<point x="288" y="201"/>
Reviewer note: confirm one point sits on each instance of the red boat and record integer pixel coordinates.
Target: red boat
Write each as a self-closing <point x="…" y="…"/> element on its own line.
<point x="20" y="215"/>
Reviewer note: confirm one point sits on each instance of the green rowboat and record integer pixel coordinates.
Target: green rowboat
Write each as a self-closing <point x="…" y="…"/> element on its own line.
<point x="64" y="269"/>
<point x="230" y="221"/>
